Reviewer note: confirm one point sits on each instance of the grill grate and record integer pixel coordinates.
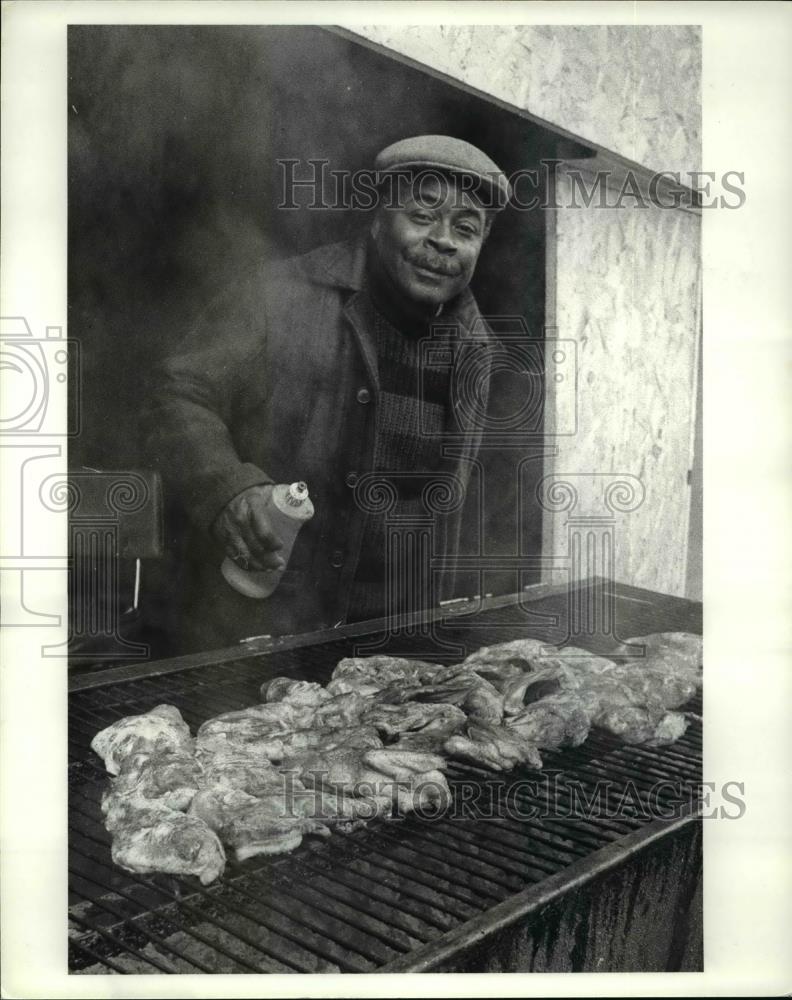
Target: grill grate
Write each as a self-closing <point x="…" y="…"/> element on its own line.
<point x="360" y="902"/>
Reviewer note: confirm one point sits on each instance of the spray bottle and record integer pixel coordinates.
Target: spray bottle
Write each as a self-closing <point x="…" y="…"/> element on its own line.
<point x="289" y="508"/>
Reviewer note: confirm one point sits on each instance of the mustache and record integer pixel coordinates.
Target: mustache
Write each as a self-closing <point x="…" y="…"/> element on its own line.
<point x="432" y="262"/>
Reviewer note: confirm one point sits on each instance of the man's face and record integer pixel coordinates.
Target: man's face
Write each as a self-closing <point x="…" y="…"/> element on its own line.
<point x="430" y="243"/>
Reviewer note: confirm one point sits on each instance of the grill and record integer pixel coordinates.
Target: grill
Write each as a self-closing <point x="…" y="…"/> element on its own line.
<point x="592" y="864"/>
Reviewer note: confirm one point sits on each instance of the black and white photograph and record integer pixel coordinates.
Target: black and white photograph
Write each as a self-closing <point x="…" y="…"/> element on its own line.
<point x="373" y="434"/>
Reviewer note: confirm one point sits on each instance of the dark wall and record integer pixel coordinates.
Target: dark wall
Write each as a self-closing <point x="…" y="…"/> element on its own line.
<point x="174" y="134"/>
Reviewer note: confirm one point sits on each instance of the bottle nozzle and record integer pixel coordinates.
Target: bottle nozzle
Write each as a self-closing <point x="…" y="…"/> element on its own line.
<point x="298" y="494"/>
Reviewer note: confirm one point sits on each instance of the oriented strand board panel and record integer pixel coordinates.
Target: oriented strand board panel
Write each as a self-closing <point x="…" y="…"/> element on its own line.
<point x="626" y="304"/>
<point x="632" y="89"/>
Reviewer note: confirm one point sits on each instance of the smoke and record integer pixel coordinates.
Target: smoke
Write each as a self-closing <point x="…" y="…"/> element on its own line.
<point x="175" y="135"/>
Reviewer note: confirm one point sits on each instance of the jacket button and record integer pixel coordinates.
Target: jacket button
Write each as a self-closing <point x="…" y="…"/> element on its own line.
<point x="336" y="558"/>
<point x="363" y="395"/>
<point x="351" y="478"/>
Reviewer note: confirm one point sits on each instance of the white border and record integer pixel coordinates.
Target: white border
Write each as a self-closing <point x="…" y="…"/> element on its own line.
<point x="747" y="313"/>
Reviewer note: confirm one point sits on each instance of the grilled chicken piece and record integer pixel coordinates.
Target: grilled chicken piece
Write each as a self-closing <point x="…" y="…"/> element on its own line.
<point x="579" y="660"/>
<point x="301" y="693"/>
<point x="272" y="824"/>
<point x="414" y="717"/>
<point x="507" y="653"/>
<point x="484" y="703"/>
<point x="385" y="670"/>
<point x="158" y="731"/>
<point x="226" y="766"/>
<point x="634" y="684"/>
<point x="509" y="660"/>
<point x="354" y="684"/>
<point x="672" y="690"/>
<point x="631" y="699"/>
<point x="646" y="726"/>
<point x="347" y="813"/>
<point x="341" y="711"/>
<point x="638" y="685"/>
<point x="497" y="673"/>
<point x="682" y="649"/>
<point x="403" y="763"/>
<point x="423" y="741"/>
<point x="159" y="779"/>
<point x="418" y="778"/>
<point x="261" y="725"/>
<point x="241" y="733"/>
<point x="555" y="721"/>
<point x="163" y="840"/>
<point x="411" y="779"/>
<point x="534" y="685"/>
<point x="495" y="747"/>
<point x="454" y="691"/>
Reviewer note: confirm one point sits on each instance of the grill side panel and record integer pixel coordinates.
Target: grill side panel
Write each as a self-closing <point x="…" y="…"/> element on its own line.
<point x="644" y="915"/>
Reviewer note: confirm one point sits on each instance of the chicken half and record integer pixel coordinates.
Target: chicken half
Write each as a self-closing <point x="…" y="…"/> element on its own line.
<point x="250" y="825"/>
<point x="506" y="653"/>
<point x="647" y="726"/>
<point x="682" y="649"/>
<point x="294" y="692"/>
<point x="409" y="779"/>
<point x="495" y="747"/>
<point x="261" y="726"/>
<point x="168" y="779"/>
<point x="392" y="721"/>
<point x="555" y="721"/>
<point x="161" y="730"/>
<point x="164" y="840"/>
<point x="226" y="765"/>
<point x="384" y="670"/>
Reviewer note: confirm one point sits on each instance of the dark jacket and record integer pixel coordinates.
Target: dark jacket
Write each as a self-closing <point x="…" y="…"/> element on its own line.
<point x="278" y="382"/>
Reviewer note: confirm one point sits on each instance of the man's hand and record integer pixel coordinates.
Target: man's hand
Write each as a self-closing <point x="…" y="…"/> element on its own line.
<point x="245" y="529"/>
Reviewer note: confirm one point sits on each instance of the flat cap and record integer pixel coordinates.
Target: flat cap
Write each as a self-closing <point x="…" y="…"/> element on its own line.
<point x="447" y="155"/>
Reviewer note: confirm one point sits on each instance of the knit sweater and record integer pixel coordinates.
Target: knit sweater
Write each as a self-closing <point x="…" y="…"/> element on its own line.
<point x="411" y="417"/>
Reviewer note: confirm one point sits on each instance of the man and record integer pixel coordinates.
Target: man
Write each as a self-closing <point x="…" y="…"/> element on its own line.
<point x="318" y="370"/>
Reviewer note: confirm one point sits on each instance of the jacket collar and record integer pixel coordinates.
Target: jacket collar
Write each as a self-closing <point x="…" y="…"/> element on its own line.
<point x="338" y="265"/>
<point x="343" y="265"/>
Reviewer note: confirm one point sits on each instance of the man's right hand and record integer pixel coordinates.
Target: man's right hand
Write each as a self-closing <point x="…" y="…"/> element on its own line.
<point x="245" y="529"/>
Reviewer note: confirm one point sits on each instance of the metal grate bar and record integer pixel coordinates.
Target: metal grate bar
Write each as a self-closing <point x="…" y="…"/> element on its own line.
<point x="428" y="891"/>
<point x="124" y="945"/>
<point x="401" y="912"/>
<point x="280" y="943"/>
<point x="156" y="939"/>
<point x="330" y="937"/>
<point x="426" y="856"/>
<point x="422" y="873"/>
<point x="186" y="931"/>
<point x="515" y="867"/>
<point x="338" y="906"/>
<point x="84" y="950"/>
